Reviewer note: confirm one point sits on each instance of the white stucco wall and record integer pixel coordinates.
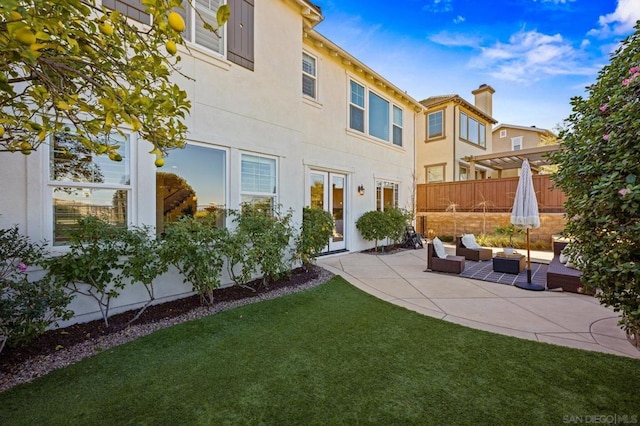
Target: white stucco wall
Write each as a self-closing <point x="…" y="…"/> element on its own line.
<point x="261" y="111"/>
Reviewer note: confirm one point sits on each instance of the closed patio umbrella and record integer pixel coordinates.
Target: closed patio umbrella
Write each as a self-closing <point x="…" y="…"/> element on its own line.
<point x="525" y="215"/>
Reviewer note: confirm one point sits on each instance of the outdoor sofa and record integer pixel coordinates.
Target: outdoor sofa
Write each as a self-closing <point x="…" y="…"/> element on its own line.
<point x="450" y="264"/>
<point x="561" y="276"/>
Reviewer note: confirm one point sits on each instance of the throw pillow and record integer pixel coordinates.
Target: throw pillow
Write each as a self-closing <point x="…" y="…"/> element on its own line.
<point x="469" y="241"/>
<point x="563" y="258"/>
<point x="439" y="248"/>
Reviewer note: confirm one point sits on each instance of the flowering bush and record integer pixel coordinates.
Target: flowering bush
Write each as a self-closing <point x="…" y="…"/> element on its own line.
<point x="600" y="174"/>
<point x="27" y="307"/>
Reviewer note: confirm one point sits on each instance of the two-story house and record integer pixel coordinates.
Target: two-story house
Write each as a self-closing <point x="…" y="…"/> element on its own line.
<point x="280" y="115"/>
<point x="454" y="129"/>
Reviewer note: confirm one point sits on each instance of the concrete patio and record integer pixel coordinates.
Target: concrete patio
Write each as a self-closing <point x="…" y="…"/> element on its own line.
<point x="566" y="319"/>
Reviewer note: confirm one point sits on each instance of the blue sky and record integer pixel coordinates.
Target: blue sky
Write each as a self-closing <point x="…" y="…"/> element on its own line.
<point x="536" y="54"/>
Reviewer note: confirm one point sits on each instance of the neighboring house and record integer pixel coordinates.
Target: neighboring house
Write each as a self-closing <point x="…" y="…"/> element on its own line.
<point x="280" y="115"/>
<point x="454" y="129"/>
<point x="509" y="138"/>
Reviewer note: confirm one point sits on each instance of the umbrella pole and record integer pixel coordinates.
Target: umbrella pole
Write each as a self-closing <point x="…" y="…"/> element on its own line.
<point x="528" y="259"/>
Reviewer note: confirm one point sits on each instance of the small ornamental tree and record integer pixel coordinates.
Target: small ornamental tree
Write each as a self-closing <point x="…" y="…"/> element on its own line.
<point x="316" y="230"/>
<point x="372" y="226"/>
<point x="599" y="171"/>
<point x="77" y="63"/>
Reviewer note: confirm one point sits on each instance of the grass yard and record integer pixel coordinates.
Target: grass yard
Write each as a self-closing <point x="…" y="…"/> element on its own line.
<point x="329" y="355"/>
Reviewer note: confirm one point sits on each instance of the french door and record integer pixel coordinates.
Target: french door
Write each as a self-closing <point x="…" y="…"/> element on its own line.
<point x="327" y="191"/>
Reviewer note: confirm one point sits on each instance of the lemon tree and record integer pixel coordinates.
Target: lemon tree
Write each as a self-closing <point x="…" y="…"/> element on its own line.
<point x="76" y="63"/>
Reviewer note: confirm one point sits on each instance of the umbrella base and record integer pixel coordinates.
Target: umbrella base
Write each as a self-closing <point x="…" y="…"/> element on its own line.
<point x="530" y="286"/>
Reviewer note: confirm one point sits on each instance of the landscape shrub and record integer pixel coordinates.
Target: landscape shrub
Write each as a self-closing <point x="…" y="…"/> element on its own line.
<point x="599" y="171"/>
<point x="269" y="234"/>
<point x="27" y="307"/>
<point x="315" y="233"/>
<point x="194" y="247"/>
<point x="93" y="265"/>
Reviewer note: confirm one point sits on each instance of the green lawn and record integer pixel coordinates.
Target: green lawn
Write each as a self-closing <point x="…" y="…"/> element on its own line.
<point x="329" y="355"/>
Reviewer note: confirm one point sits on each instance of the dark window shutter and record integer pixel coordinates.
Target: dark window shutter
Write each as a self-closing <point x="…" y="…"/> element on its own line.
<point x="240" y="33"/>
<point x="130" y="8"/>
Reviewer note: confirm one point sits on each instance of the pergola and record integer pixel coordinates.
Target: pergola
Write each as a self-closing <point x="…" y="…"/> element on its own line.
<point x="538" y="157"/>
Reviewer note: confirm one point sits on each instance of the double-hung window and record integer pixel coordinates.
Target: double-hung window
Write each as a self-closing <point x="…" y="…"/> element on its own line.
<point x="258" y="181"/>
<point x="82" y="183"/>
<point x="397" y="126"/>
<point x="516" y="143"/>
<point x="309" y="76"/>
<point x="371" y="114"/>
<point x="435" y="125"/>
<point x="471" y="130"/>
<point x="356" y="107"/>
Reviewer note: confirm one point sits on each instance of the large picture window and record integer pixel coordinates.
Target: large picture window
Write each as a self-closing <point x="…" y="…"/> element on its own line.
<point x="83" y="183"/>
<point x="471" y="130"/>
<point x="376" y="117"/>
<point x="258" y="180"/>
<point x="192" y="183"/>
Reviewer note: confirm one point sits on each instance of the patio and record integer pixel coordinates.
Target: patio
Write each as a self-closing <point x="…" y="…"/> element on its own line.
<point x="560" y="318"/>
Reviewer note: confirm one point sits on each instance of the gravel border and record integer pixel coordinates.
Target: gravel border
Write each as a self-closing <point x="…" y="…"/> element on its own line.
<point x="44" y="364"/>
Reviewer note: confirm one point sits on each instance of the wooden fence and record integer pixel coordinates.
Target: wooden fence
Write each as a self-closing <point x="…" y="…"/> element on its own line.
<point x="491" y="195"/>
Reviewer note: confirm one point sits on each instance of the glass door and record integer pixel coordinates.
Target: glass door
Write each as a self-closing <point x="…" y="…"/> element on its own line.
<point x="327" y="191"/>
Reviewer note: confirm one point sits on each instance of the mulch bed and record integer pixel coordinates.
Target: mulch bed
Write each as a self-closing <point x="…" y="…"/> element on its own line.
<point x="53" y="340"/>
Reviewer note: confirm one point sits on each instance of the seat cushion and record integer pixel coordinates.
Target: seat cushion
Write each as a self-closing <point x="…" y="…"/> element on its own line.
<point x="469" y="241"/>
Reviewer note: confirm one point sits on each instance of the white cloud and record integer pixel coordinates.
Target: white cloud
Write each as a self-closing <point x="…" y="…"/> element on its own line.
<point x="447" y="39"/>
<point x="529" y="56"/>
<point x="621" y="21"/>
<point x="438" y="6"/>
<point x="459" y="19"/>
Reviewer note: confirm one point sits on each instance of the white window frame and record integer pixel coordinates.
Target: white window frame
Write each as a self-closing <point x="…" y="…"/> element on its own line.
<point x="313" y="77"/>
<point x="274" y="196"/>
<point x="516" y="143"/>
<point x="396" y="125"/>
<point x="366" y="110"/>
<point x="50" y="185"/>
<point x="190" y="33"/>
<point x="380" y="185"/>
<point x="464" y="130"/>
<point x="503" y="133"/>
<point x="441" y="134"/>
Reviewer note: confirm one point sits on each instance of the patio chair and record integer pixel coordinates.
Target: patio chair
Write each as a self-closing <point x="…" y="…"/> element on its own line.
<point x="450" y="264"/>
<point x="476" y="254"/>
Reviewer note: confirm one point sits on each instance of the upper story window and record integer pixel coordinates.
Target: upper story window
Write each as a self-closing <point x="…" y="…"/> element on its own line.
<point x="309" y="76"/>
<point x="471" y="130"/>
<point x="516" y="143"/>
<point x="372" y="114"/>
<point x="503" y="133"/>
<point x="82" y="183"/>
<point x="397" y="126"/>
<point x="258" y="181"/>
<point x="234" y="40"/>
<point x="435" y="125"/>
<point x="192" y="183"/>
<point x="133" y="9"/>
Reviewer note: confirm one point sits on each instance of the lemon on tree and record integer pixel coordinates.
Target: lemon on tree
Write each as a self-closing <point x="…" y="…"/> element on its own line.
<point x="171" y="47"/>
<point x="176" y="22"/>
<point x="159" y="162"/>
<point x="105" y="28"/>
<point x="25" y="148"/>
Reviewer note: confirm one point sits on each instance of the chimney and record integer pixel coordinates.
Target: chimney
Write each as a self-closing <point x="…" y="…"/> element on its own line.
<point x="484" y="99"/>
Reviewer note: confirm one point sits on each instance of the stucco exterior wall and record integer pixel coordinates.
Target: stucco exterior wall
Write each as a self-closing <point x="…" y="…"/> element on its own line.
<point x="237" y="110"/>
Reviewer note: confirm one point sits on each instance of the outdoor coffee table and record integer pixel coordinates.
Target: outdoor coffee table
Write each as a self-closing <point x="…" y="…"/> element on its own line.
<point x="509" y="263"/>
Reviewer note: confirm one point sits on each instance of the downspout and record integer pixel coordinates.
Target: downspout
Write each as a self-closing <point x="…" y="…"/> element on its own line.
<point x="455" y="108"/>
